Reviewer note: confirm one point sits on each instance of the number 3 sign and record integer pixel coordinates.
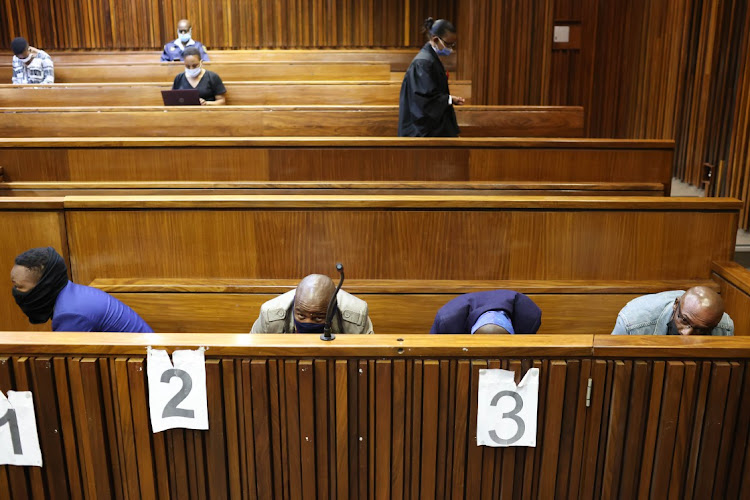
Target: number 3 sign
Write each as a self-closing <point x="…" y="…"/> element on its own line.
<point x="19" y="441"/>
<point x="177" y="394"/>
<point x="506" y="414"/>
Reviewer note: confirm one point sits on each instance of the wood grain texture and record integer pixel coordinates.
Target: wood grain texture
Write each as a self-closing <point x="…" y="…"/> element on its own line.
<point x="398" y="59"/>
<point x="331" y="159"/>
<point x="278" y="121"/>
<point x="244" y="24"/>
<point x="684" y="407"/>
<point x="734" y="281"/>
<point x="229" y="72"/>
<point x="412" y="245"/>
<point x="238" y="93"/>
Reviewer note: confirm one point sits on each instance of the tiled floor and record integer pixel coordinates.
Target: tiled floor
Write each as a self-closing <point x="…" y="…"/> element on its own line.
<point x="742" y="249"/>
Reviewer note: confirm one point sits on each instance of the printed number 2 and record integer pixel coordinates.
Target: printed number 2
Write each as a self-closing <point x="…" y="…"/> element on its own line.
<point x="171" y="409"/>
<point x="15" y="436"/>
<point x="513" y="415"/>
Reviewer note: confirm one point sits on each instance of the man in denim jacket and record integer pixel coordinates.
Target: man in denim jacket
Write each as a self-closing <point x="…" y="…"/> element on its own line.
<point x="698" y="311"/>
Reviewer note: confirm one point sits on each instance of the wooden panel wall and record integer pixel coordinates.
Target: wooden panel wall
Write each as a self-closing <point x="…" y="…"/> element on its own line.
<point x="338" y="425"/>
<point x="219" y="24"/>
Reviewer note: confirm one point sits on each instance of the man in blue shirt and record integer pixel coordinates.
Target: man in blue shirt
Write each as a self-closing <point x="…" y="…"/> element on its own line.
<point x="42" y="290"/>
<point x="173" y="50"/>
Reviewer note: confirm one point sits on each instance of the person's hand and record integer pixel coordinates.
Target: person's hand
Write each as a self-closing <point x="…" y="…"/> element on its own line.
<point x="202" y="101"/>
<point x="457" y="100"/>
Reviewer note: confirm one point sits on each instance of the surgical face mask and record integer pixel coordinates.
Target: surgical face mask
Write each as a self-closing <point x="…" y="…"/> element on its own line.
<point x="185" y="37"/>
<point x="28" y="59"/>
<point x="192" y="73"/>
<point x="445" y="51"/>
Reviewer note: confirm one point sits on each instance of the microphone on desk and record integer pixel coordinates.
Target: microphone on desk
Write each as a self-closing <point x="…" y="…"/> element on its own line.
<point x="327" y="335"/>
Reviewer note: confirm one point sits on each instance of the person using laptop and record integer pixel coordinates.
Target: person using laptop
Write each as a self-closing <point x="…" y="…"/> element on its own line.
<point x="208" y="84"/>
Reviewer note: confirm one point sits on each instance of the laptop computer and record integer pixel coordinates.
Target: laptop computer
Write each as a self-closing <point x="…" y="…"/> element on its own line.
<point x="181" y="97"/>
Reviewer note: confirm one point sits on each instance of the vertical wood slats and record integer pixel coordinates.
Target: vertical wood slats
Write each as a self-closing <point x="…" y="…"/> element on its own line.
<point x="219" y="24"/>
<point x="658" y="419"/>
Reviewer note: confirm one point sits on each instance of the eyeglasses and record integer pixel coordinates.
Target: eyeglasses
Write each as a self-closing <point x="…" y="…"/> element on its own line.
<point x="697" y="330"/>
<point x="448" y="45"/>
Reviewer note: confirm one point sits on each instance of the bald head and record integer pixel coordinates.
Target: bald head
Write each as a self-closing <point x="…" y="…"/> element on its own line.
<point x="491" y="329"/>
<point x="698" y="311"/>
<point x="184" y="24"/>
<point x="311" y="298"/>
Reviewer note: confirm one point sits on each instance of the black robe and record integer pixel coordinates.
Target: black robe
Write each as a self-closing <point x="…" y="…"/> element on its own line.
<point x="423" y="107"/>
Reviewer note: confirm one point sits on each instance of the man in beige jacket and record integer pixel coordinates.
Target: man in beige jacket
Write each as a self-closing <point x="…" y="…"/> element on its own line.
<point x="303" y="310"/>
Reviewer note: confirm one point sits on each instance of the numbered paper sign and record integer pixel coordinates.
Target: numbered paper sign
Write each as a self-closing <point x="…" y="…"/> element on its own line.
<point x="19" y="441"/>
<point x="506" y="415"/>
<point x="177" y="394"/>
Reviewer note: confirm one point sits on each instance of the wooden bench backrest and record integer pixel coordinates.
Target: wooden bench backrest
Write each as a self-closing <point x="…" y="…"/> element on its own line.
<point x="315" y="121"/>
<point x="380" y="417"/>
<point x="398" y="59"/>
<point x="128" y="159"/>
<point x="228" y="71"/>
<point x="238" y="93"/>
<point x="376" y="237"/>
<point x="363" y="188"/>
<point x="395" y="307"/>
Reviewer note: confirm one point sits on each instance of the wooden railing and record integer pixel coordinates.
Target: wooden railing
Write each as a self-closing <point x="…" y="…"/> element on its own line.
<point x="384" y="417"/>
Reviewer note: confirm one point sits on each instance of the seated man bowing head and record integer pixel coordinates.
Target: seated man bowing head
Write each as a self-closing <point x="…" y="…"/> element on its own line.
<point x="42" y="291"/>
<point x="303" y="310"/>
<point x="698" y="311"/>
<point x="493" y="311"/>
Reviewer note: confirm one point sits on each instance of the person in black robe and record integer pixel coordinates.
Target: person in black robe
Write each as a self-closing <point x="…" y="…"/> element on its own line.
<point x="426" y="105"/>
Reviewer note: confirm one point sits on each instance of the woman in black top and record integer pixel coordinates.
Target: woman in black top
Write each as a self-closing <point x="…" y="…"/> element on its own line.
<point x="426" y="105"/>
<point x="209" y="85"/>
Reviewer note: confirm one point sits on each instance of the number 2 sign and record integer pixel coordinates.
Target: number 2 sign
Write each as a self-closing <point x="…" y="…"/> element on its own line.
<point x="177" y="394"/>
<point x="506" y="413"/>
<point x="19" y="441"/>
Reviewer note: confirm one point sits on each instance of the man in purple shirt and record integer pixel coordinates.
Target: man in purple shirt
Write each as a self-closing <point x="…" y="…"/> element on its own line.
<point x="42" y="290"/>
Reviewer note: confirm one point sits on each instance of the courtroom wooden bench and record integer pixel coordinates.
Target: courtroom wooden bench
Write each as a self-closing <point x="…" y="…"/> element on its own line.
<point x="275" y="121"/>
<point x="395" y="306"/>
<point x="62" y="188"/>
<point x="228" y="71"/>
<point x="238" y="93"/>
<point x="336" y="159"/>
<point x="385" y="416"/>
<point x="377" y="237"/>
<point x="397" y="59"/>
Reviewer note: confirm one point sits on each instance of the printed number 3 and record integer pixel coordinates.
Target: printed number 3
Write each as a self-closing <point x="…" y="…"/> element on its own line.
<point x="513" y="415"/>
<point x="171" y="409"/>
<point x="15" y="436"/>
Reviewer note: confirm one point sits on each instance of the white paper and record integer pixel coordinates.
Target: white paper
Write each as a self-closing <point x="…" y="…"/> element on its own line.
<point x="177" y="394"/>
<point x="19" y="440"/>
<point x="507" y="414"/>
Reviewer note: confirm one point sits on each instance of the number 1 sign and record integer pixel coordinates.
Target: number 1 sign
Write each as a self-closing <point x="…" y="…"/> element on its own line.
<point x="177" y="394"/>
<point x="506" y="413"/>
<point x="19" y="441"/>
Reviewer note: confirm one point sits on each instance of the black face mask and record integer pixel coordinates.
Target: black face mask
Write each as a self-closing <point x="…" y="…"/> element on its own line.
<point x="39" y="302"/>
<point x="308" y="327"/>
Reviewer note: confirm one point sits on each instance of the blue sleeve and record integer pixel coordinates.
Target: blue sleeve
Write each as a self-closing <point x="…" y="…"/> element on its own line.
<point x="435" y="325"/>
<point x="204" y="54"/>
<point x="620" y="328"/>
<point x="71" y="322"/>
<point x="165" y="57"/>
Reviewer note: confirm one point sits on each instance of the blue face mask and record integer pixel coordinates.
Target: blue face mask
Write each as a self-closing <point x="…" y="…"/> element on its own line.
<point x="308" y="327"/>
<point x="185" y="37"/>
<point x="444" y="52"/>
